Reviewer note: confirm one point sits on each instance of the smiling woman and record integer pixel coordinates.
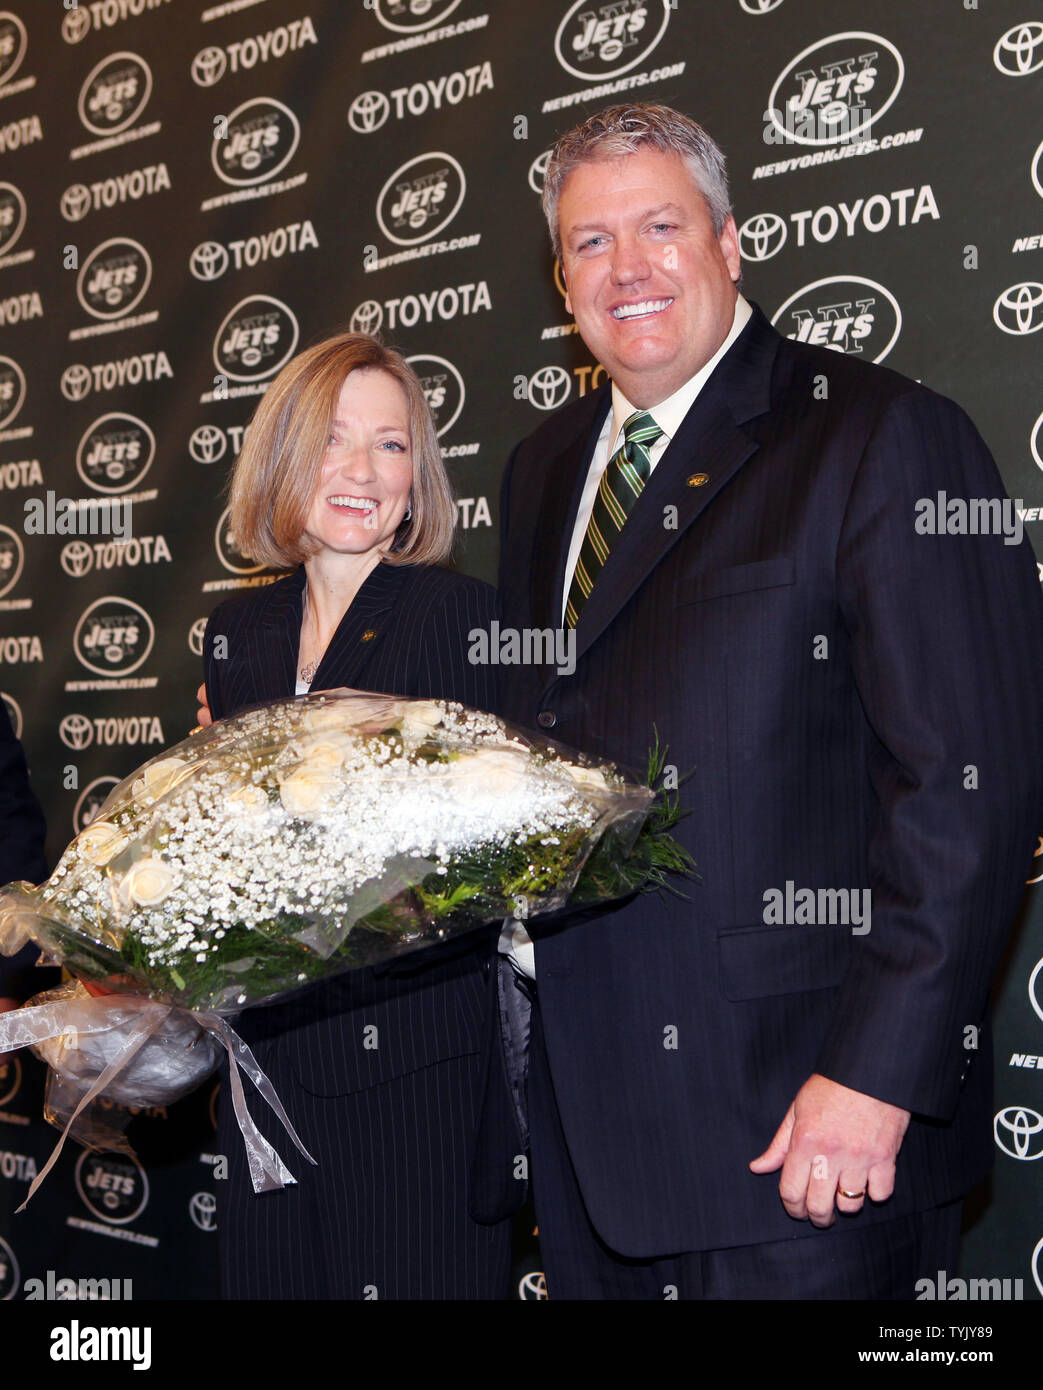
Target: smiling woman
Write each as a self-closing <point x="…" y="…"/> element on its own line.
<point x="341" y="480"/>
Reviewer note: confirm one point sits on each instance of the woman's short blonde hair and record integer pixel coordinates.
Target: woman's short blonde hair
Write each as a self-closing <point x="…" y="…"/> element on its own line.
<point x="277" y="471"/>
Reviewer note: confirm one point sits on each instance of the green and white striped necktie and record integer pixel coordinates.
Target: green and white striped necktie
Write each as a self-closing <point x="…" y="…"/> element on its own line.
<point x="620" y="487"/>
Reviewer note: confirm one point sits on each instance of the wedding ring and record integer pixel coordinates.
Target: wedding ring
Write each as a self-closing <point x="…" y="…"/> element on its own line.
<point x="851" y="1196"/>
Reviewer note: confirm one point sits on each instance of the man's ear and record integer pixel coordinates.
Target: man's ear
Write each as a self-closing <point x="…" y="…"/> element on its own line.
<point x="729" y="244"/>
<point x="564" y="285"/>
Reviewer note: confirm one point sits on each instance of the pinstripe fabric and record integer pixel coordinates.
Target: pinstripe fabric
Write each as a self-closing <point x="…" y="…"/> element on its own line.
<point x="384" y="1215"/>
<point x="621" y="485"/>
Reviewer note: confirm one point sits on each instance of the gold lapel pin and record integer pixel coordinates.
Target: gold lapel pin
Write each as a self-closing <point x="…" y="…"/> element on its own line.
<point x="697" y="479"/>
<point x="368" y="635"/>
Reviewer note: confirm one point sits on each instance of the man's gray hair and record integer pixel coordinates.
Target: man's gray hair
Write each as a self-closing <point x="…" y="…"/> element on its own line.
<point x="621" y="130"/>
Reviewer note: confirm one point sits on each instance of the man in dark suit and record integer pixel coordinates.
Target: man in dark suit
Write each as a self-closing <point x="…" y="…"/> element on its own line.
<point x="737" y="528"/>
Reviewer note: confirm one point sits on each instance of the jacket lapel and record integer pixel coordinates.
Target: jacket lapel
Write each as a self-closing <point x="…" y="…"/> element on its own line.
<point x="274" y="667"/>
<point x="360" y="630"/>
<point x="709" y="448"/>
<point x="565" y="479"/>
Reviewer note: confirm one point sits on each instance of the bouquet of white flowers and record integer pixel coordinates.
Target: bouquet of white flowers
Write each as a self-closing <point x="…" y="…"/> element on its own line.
<point x="303" y="838"/>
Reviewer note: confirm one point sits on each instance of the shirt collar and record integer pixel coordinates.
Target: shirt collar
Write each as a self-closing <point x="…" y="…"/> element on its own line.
<point x="668" y="414"/>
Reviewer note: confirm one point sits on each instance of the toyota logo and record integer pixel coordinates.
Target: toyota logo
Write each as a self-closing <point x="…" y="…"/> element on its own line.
<point x="759" y="6"/>
<point x="1022" y="1128"/>
<point x="207" y="443"/>
<point x="203" y="1210"/>
<point x="76" y="24"/>
<point x="208" y="261"/>
<point x="77" y="559"/>
<point x="368" y="317"/>
<point x="195" y="636"/>
<point x="549" y="387"/>
<point x="1020" y="50"/>
<point x="538" y="171"/>
<point x="762" y="236"/>
<point x="76" y="381"/>
<point x="76" y="731"/>
<point x="1019" y="309"/>
<point x="208" y="66"/>
<point x="368" y="112"/>
<point x="75" y="202"/>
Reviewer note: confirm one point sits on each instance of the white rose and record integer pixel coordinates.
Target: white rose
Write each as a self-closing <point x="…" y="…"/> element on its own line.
<point x="100" y="842"/>
<point x="328" y="752"/>
<point x="419" y="718"/>
<point x="346" y="714"/>
<point x="494" y="773"/>
<point x="309" y="789"/>
<point x="147" y="882"/>
<point x="589" y="780"/>
<point x="158" y="778"/>
<point x="248" y="798"/>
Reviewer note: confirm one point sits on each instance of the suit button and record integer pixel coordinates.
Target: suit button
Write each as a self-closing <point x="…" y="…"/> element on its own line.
<point x="546" y="719"/>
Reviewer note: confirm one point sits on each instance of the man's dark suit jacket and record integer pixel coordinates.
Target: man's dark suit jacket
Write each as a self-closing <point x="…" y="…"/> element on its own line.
<point x="859" y="707"/>
<point x="22" y="832"/>
<point x="404" y="634"/>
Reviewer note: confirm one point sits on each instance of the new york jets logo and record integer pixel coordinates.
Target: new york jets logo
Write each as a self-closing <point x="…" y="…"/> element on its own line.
<point x="606" y="39"/>
<point x="12" y="216"/>
<point x="835" y="89"/>
<point x="410" y="16"/>
<point x="12" y="45"/>
<point x="420" y="198"/>
<point x="115" y="93"/>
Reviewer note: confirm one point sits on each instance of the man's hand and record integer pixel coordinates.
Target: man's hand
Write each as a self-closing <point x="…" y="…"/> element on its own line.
<point x="834" y="1140"/>
<point x="203" y="716"/>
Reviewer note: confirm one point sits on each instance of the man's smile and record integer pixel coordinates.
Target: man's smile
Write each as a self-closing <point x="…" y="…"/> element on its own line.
<point x="645" y="308"/>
